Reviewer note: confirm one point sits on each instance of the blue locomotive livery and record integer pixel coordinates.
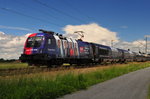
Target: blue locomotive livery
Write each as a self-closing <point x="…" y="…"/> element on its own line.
<point x="50" y="48"/>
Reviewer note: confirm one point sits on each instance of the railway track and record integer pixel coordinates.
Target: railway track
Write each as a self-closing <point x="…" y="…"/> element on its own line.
<point x="30" y="70"/>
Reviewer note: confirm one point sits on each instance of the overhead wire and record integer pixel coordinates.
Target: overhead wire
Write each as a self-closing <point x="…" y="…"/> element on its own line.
<point x="41" y="11"/>
<point x="76" y="9"/>
<point x="57" y="10"/>
<point x="29" y="16"/>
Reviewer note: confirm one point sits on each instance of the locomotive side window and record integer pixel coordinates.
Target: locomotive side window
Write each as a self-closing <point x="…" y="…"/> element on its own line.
<point x="49" y="41"/>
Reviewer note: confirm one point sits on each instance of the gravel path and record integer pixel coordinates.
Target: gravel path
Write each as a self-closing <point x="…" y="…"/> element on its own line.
<point x="133" y="85"/>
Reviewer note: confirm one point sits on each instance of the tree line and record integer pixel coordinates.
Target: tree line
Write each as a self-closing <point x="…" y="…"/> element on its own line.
<point x="7" y="60"/>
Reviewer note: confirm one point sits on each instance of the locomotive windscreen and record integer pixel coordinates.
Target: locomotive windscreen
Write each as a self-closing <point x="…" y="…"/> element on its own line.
<point x="34" y="41"/>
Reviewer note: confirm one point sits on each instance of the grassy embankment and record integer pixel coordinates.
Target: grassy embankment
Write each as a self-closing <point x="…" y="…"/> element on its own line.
<point x="148" y="93"/>
<point x="11" y="65"/>
<point x="52" y="85"/>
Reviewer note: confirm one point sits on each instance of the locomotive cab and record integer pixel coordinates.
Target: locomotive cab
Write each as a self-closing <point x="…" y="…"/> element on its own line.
<point x="42" y="49"/>
<point x="34" y="49"/>
<point x="34" y="44"/>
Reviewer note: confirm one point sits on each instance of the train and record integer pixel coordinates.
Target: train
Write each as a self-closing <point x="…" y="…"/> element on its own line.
<point x="50" y="48"/>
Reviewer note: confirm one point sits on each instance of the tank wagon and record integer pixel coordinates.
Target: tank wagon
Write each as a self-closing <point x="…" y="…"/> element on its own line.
<point x="50" y="48"/>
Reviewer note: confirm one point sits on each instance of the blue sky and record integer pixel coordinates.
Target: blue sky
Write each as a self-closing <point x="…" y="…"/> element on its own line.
<point x="129" y="18"/>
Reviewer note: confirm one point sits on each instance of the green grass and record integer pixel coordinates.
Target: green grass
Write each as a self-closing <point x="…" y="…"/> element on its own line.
<point x="41" y="87"/>
<point x="12" y="65"/>
<point x="148" y="93"/>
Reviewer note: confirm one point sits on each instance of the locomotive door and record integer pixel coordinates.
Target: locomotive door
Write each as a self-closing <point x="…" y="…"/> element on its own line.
<point x="59" y="47"/>
<point x="95" y="52"/>
<point x="65" y="47"/>
<point x="51" y="47"/>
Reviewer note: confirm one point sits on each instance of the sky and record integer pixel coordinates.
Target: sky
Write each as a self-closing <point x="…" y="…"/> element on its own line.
<point x="126" y="22"/>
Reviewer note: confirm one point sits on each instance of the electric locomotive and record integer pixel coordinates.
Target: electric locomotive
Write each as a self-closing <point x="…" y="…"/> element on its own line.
<point x="50" y="48"/>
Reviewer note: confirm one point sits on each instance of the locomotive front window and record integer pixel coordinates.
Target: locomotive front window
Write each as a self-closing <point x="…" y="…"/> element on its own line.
<point x="30" y="41"/>
<point x="34" y="41"/>
<point x="38" y="41"/>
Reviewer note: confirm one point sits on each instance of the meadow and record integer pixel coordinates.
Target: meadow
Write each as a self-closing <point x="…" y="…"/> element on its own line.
<point x="10" y="65"/>
<point x="51" y="85"/>
<point x="148" y="93"/>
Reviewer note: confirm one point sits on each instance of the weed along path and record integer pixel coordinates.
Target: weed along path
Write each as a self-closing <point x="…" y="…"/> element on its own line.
<point x="133" y="85"/>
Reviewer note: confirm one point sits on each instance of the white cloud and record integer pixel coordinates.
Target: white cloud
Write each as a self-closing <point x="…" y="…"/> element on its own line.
<point x="136" y="46"/>
<point x="11" y="47"/>
<point x="92" y="33"/>
<point x="96" y="33"/>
